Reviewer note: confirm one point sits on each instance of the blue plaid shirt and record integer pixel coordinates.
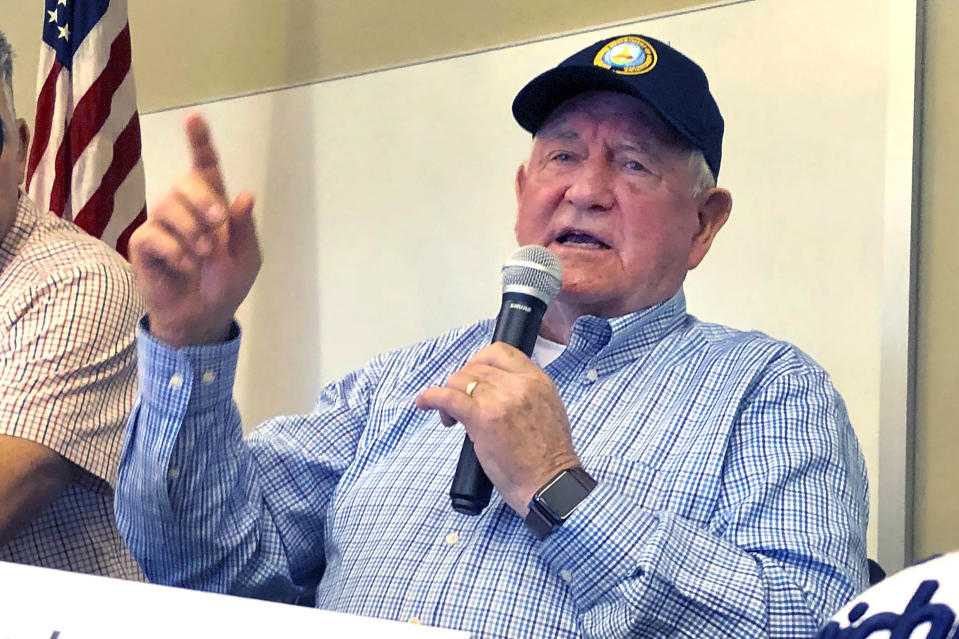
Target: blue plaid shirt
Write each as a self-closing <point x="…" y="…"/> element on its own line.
<point x="731" y="499"/>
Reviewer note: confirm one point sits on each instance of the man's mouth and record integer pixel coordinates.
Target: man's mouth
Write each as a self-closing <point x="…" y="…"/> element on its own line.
<point x="580" y="239"/>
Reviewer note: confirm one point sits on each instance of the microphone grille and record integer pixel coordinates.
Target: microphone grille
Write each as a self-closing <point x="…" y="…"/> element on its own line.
<point x="534" y="270"/>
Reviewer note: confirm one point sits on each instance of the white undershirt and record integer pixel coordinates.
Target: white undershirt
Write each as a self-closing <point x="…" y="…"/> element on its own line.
<point x="545" y="351"/>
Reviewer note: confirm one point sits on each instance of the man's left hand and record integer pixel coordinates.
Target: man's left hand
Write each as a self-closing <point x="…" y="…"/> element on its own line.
<point x="514" y="416"/>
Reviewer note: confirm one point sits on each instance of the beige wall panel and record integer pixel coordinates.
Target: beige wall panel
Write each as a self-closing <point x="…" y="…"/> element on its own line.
<point x="187" y="51"/>
<point x="937" y="418"/>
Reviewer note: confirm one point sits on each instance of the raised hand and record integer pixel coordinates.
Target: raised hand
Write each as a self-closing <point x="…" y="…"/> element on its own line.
<point x="515" y="417"/>
<point x="197" y="254"/>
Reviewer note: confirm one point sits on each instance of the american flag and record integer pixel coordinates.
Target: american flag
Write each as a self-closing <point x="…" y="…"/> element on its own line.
<point x="85" y="162"/>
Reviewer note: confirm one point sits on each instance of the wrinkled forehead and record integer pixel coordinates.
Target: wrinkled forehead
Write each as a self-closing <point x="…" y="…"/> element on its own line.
<point x="628" y="114"/>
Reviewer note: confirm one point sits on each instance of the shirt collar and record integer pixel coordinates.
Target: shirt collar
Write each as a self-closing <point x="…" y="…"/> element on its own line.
<point x="634" y="331"/>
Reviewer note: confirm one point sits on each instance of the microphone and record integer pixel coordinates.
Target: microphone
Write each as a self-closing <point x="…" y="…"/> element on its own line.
<point x="532" y="277"/>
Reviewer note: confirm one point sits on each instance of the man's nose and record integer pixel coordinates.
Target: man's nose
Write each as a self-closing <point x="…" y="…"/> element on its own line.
<point x="591" y="186"/>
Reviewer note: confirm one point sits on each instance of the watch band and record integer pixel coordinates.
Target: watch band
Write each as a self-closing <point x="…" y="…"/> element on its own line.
<point x="554" y="502"/>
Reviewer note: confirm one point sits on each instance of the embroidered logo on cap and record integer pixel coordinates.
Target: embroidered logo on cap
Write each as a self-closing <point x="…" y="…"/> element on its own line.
<point x="628" y="55"/>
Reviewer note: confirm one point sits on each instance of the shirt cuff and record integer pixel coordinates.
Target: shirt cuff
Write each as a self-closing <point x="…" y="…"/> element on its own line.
<point x="198" y="377"/>
<point x="599" y="545"/>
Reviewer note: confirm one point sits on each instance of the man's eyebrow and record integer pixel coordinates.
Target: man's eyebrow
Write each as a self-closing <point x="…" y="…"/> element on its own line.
<point x="557" y="133"/>
<point x="630" y="143"/>
<point x="650" y="150"/>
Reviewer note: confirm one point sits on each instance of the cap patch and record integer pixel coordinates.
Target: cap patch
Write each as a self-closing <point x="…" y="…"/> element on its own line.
<point x="628" y="55"/>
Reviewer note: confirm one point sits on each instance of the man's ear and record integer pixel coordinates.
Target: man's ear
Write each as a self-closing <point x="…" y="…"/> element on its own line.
<point x="519" y="183"/>
<point x="23" y="133"/>
<point x="714" y="208"/>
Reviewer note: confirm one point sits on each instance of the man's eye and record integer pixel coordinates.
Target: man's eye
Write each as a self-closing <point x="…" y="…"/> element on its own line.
<point x="562" y="156"/>
<point x="633" y="165"/>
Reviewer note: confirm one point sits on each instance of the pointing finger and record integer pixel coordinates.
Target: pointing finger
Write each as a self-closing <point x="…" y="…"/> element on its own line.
<point x="205" y="161"/>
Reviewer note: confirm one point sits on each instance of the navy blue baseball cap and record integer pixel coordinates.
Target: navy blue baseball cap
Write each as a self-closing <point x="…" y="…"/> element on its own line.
<point x="640" y="66"/>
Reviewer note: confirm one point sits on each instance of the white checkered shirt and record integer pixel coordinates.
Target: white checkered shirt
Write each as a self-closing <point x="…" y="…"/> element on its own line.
<point x="731" y="499"/>
<point x="67" y="380"/>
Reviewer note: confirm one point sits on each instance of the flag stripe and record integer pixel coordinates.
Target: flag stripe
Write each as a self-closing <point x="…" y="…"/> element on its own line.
<point x="93" y="52"/>
<point x="128" y="197"/>
<point x="44" y="119"/>
<point x="46" y="171"/>
<point x="123" y="242"/>
<point x="92" y="110"/>
<point x="96" y="213"/>
<point x="90" y="166"/>
<point x="62" y="167"/>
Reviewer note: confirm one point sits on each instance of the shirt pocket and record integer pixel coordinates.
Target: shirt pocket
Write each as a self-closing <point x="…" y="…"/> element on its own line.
<point x="684" y="491"/>
<point x="635" y="480"/>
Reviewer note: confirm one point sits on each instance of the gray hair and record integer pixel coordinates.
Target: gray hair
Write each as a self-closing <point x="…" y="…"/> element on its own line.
<point x="6" y="74"/>
<point x="703" y="178"/>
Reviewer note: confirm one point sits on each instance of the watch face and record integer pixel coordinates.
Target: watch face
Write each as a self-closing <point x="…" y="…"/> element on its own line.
<point x="562" y="496"/>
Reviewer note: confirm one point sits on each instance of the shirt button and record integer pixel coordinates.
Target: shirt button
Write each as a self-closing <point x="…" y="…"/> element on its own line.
<point x="415" y="621"/>
<point x="566" y="575"/>
<point x="176" y="382"/>
<point x="452" y="539"/>
<point x="208" y="377"/>
<point x="592" y="375"/>
<point x="173" y="473"/>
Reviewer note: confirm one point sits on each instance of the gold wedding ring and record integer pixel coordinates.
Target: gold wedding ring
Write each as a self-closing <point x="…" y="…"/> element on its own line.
<point x="471" y="387"/>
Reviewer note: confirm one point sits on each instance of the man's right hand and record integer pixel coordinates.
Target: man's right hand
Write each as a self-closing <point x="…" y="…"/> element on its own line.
<point x="197" y="254"/>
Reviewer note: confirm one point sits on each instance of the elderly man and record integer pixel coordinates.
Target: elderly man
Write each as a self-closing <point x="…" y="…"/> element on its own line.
<point x="67" y="375"/>
<point x="655" y="475"/>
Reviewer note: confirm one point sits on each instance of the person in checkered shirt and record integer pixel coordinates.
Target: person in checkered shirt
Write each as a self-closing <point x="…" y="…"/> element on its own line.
<point x="68" y="308"/>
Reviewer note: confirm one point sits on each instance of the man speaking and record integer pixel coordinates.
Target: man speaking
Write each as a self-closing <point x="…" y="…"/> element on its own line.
<point x="654" y="475"/>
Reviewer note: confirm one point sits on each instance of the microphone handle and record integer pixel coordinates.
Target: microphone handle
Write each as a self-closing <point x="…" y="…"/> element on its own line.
<point x="518" y="325"/>
<point x="518" y="321"/>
